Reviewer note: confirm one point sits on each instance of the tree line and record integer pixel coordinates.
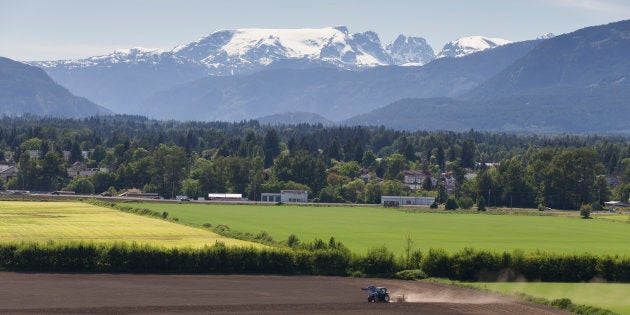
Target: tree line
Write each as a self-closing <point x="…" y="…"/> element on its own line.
<point x="313" y="258"/>
<point x="335" y="164"/>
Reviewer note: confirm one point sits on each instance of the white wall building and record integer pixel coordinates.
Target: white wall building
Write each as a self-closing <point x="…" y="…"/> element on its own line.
<point x="270" y="197"/>
<point x="222" y="196"/>
<point x="406" y="201"/>
<point x="285" y="196"/>
<point x="294" y="196"/>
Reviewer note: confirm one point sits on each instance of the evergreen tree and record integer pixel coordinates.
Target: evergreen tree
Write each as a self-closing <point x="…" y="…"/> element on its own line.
<point x="271" y="146"/>
<point x="481" y="203"/>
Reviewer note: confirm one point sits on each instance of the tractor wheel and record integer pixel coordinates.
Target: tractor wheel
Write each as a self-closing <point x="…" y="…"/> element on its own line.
<point x="386" y="298"/>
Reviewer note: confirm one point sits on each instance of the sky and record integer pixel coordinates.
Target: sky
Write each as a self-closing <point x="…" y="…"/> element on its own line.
<point x="65" y="29"/>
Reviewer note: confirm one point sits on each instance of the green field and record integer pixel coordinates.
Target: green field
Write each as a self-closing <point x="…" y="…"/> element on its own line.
<point x="360" y="228"/>
<point x="613" y="217"/>
<point x="76" y="221"/>
<point x="611" y="296"/>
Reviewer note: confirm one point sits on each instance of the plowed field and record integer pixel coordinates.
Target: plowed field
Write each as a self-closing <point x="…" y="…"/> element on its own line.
<point x="22" y="293"/>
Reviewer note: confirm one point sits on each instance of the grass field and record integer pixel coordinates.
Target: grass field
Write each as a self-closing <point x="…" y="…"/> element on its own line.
<point x="613" y="217"/>
<point x="360" y="228"/>
<point x="611" y="296"/>
<point x="74" y="221"/>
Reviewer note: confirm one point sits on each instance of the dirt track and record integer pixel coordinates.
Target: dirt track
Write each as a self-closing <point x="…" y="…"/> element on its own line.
<point x="22" y="293"/>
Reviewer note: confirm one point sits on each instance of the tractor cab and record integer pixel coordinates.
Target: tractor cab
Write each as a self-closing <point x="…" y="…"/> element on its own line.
<point x="377" y="294"/>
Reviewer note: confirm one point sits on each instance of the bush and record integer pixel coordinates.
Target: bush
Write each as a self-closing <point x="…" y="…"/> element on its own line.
<point x="378" y="261"/>
<point x="293" y="241"/>
<point x="437" y="263"/>
<point x="481" y="204"/>
<point x="561" y="303"/>
<point x="358" y="274"/>
<point x="434" y="205"/>
<point x="80" y="185"/>
<point x="465" y="203"/>
<point x="415" y="274"/>
<point x="585" y="211"/>
<point x="451" y="204"/>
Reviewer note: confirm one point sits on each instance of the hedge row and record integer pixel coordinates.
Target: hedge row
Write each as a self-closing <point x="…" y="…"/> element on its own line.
<point x="125" y="257"/>
<point x="465" y="265"/>
<point x="474" y="265"/>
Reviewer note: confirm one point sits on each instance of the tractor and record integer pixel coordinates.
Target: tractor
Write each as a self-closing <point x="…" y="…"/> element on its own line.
<point x="377" y="294"/>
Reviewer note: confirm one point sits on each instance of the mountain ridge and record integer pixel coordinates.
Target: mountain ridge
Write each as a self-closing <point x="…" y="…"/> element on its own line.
<point x="27" y="89"/>
<point x="576" y="82"/>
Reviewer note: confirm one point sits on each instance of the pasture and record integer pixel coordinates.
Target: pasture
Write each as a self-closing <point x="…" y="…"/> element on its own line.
<point x="360" y="228"/>
<point x="77" y="221"/>
<point x="611" y="296"/>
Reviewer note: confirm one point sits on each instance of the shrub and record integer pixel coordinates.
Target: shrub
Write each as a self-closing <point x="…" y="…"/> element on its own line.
<point x="465" y="203"/>
<point x="437" y="263"/>
<point x="293" y="241"/>
<point x="585" y="211"/>
<point x="378" y="261"/>
<point x="561" y="303"/>
<point x="415" y="274"/>
<point x="451" y="204"/>
<point x="358" y="274"/>
<point x="434" y="205"/>
<point x="481" y="204"/>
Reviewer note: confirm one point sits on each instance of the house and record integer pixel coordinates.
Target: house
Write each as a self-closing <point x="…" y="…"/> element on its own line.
<point x="406" y="201"/>
<point x="414" y="178"/>
<point x="365" y="175"/>
<point x="7" y="172"/>
<point x="34" y="154"/>
<point x="81" y="169"/>
<point x="137" y="193"/>
<point x="285" y="196"/>
<point x="294" y="196"/>
<point x="486" y="165"/>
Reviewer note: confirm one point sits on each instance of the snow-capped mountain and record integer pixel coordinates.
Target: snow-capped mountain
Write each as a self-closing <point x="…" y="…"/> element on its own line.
<point x="236" y="51"/>
<point x="546" y="36"/>
<point x="126" y="77"/>
<point x="410" y="51"/>
<point x="243" y="50"/>
<point x="469" y="45"/>
<point x="119" y="56"/>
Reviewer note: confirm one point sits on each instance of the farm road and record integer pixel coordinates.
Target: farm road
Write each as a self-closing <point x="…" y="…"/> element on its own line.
<point x="29" y="293"/>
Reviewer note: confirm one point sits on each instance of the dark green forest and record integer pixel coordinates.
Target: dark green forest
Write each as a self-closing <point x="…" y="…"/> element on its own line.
<point x="335" y="164"/>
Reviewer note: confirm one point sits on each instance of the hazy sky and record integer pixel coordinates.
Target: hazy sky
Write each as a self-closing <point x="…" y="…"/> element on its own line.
<point x="65" y="29"/>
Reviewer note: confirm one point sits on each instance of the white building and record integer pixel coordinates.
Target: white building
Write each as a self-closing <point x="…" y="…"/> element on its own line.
<point x="222" y="196"/>
<point x="294" y="196"/>
<point x="406" y="201"/>
<point x="285" y="196"/>
<point x="270" y="197"/>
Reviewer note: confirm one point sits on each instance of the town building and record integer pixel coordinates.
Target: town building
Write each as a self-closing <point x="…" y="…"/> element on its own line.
<point x="225" y="197"/>
<point x="8" y="172"/>
<point x="285" y="196"/>
<point x="395" y="201"/>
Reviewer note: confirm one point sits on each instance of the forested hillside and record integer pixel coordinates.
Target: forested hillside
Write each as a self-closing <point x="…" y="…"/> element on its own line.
<point x="335" y="164"/>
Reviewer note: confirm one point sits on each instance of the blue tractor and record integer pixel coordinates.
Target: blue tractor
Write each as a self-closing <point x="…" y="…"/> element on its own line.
<point x="377" y="294"/>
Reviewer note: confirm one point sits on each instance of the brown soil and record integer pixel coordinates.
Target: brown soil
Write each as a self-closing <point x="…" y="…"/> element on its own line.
<point x="22" y="293"/>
